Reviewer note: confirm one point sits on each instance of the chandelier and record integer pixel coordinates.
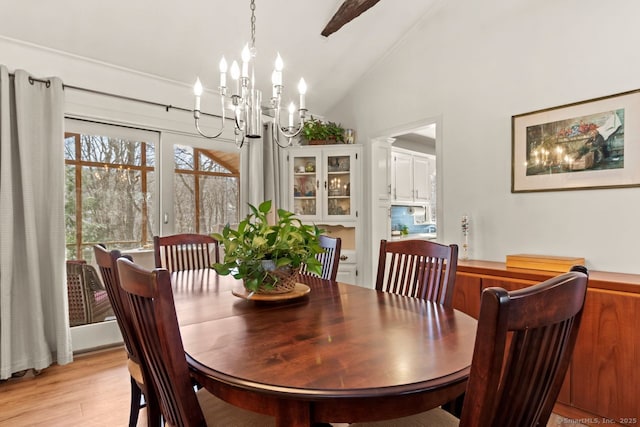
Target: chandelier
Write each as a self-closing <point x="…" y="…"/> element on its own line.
<point x="246" y="99"/>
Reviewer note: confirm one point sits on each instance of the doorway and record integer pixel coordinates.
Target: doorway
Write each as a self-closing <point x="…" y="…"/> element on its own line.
<point x="424" y="139"/>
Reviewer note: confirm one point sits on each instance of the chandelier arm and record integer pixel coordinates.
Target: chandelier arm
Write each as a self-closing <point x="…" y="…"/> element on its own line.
<point x="204" y="134"/>
<point x="288" y="131"/>
<point x="236" y="132"/>
<point x="240" y="125"/>
<point x="276" y="138"/>
<point x="196" y="116"/>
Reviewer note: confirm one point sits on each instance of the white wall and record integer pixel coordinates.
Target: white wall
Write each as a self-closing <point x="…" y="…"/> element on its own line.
<point x="102" y="77"/>
<point x="474" y="65"/>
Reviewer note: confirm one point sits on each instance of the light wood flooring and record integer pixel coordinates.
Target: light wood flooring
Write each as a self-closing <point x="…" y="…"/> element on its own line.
<point x="93" y="391"/>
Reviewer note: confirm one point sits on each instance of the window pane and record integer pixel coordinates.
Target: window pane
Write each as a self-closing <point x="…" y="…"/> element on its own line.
<point x="111" y="206"/>
<point x="184" y="158"/>
<point x="209" y="164"/>
<point x="205" y="192"/>
<point x="151" y="155"/>
<point x="185" y="203"/>
<point x="219" y="197"/>
<point x="103" y="149"/>
<point x="115" y="201"/>
<point x="151" y="218"/>
<point x="70" y="147"/>
<point x="69" y="209"/>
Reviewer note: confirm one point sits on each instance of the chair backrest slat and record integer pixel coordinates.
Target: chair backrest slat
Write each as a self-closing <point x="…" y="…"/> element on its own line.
<point x="418" y="268"/>
<point x="522" y="352"/>
<point x="330" y="258"/>
<point x="187" y="251"/>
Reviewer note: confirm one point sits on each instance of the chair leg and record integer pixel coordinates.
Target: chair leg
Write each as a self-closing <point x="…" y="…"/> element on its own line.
<point x="154" y="416"/>
<point x="134" y="409"/>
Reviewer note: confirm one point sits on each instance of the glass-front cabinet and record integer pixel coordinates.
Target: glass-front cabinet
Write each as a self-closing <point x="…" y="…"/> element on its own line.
<point x="323" y="187"/>
<point x="304" y="192"/>
<point x="321" y="182"/>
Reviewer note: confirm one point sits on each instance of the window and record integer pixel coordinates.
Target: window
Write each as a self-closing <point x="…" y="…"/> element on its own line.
<point x="109" y="185"/>
<point x="206" y="189"/>
<point x="113" y="176"/>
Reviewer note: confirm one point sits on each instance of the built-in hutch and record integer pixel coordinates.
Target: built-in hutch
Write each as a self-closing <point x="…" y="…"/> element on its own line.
<point x="323" y="185"/>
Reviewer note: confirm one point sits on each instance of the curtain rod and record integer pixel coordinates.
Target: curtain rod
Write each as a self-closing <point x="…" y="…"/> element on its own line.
<point x="167" y="107"/>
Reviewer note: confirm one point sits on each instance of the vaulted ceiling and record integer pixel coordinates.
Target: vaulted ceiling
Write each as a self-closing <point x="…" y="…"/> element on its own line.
<point x="181" y="40"/>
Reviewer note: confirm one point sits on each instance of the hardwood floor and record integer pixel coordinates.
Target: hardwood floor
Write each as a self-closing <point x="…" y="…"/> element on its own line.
<point x="93" y="391"/>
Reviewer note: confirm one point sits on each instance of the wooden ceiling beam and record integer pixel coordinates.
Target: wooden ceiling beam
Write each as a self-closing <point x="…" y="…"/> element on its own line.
<point x="348" y="11"/>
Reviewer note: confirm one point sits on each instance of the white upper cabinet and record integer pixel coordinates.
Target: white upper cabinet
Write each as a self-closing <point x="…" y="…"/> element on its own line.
<point x="401" y="164"/>
<point x="412" y="174"/>
<point x="421" y="175"/>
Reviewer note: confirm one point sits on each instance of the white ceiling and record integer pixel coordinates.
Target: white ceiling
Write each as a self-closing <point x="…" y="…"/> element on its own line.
<point x="181" y="40"/>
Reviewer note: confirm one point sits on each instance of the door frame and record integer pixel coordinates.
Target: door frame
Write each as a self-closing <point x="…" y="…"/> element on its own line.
<point x="377" y="233"/>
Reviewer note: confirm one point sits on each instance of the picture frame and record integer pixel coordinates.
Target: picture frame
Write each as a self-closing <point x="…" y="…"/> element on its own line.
<point x="584" y="145"/>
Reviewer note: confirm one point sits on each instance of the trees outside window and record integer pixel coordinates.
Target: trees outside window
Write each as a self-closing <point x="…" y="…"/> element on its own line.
<point x="109" y="187"/>
<point x="206" y="190"/>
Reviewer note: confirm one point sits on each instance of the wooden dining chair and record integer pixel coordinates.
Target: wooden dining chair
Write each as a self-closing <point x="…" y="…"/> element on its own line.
<point x="330" y="258"/>
<point x="156" y="330"/>
<point x="185" y="251"/>
<point x="106" y="261"/>
<point x="524" y="343"/>
<point x="418" y="268"/>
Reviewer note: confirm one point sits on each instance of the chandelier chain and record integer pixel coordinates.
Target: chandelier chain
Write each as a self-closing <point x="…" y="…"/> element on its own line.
<point x="253" y="23"/>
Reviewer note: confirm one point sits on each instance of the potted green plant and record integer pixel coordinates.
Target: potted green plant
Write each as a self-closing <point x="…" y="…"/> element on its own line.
<point x="335" y="131"/>
<point x="263" y="255"/>
<point x="314" y="131"/>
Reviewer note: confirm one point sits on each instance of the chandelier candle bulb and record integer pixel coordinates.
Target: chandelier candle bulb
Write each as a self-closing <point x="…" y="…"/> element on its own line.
<point x="302" y="88"/>
<point x="246" y="56"/>
<point x="279" y="65"/>
<point x="292" y="109"/>
<point x="274" y="80"/>
<point x="197" y="91"/>
<point x="235" y="75"/>
<point x="223" y="73"/>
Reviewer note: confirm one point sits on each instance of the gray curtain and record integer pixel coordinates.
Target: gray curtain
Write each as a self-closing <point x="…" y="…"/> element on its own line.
<point x="262" y="172"/>
<point x="34" y="325"/>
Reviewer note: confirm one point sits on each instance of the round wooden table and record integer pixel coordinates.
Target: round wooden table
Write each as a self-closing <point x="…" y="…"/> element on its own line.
<point x="341" y="353"/>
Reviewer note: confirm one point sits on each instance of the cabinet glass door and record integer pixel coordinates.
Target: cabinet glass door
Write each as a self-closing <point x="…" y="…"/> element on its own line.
<point x="338" y="185"/>
<point x="305" y="186"/>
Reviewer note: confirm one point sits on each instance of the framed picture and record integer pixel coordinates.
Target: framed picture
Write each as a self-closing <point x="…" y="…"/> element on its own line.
<point x="585" y="145"/>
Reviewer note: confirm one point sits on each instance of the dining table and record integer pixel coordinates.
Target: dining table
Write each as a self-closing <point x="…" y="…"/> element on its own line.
<point x="330" y="352"/>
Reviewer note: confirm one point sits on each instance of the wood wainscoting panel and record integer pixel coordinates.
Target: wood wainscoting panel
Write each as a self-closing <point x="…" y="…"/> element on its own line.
<point x="606" y="376"/>
<point x="466" y="293"/>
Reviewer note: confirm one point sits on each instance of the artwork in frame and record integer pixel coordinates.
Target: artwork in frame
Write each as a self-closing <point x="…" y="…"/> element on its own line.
<point x="584" y="145"/>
